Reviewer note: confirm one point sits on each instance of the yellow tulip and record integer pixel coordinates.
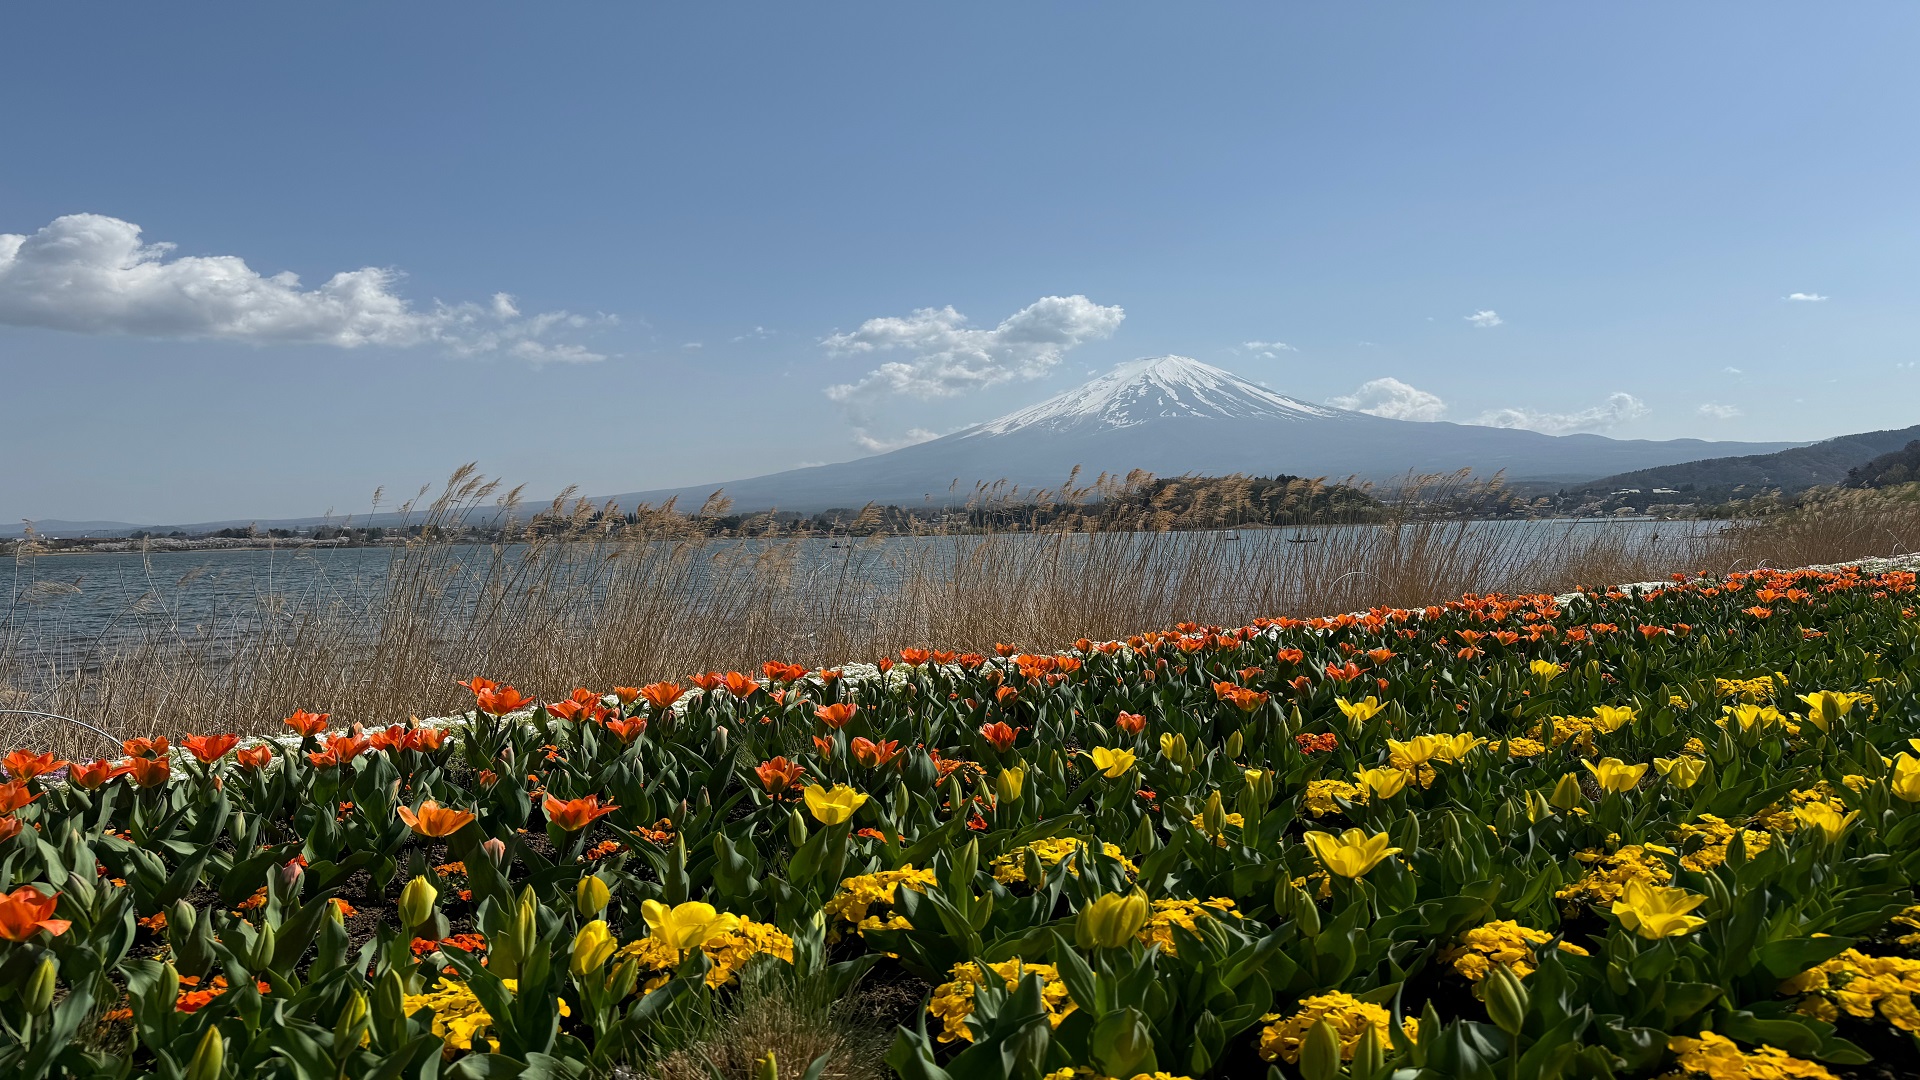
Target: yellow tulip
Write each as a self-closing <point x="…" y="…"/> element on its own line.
<point x="831" y="807"/>
<point x="1384" y="783"/>
<point x="686" y="926"/>
<point x="1008" y="785"/>
<point x="1612" y="717"/>
<point x="1749" y="715"/>
<point x="1545" y="670"/>
<point x="1112" y="920"/>
<point x="1615" y="775"/>
<point x="1359" y="712"/>
<point x="1826" y="708"/>
<point x="1418" y="750"/>
<point x="1681" y="772"/>
<point x="1825" y="818"/>
<point x="1905" y="780"/>
<point x="1112" y="764"/>
<point x="1174" y="748"/>
<point x="1352" y="853"/>
<point x="592" y="947"/>
<point x="1566" y="794"/>
<point x="1656" y="912"/>
<point x="1454" y="748"/>
<point x="591" y="895"/>
<point x="416" y="902"/>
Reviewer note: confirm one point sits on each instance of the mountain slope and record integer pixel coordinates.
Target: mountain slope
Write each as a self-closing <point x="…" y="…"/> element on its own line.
<point x="1172" y="415"/>
<point x="1792" y="470"/>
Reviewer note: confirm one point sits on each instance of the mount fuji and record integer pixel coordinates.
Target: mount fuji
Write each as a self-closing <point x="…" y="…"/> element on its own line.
<point x="1172" y="415"/>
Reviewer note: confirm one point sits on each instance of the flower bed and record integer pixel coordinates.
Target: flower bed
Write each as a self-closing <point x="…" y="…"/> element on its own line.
<point x="1666" y="830"/>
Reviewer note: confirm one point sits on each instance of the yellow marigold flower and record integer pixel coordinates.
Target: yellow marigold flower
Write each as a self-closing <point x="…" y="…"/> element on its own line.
<point x="1012" y="866"/>
<point x="832" y="806"/>
<point x="729" y="950"/>
<point x="1716" y="1056"/>
<point x="1715" y="834"/>
<point x="953" y="1000"/>
<point x="1112" y="763"/>
<point x="1610" y="875"/>
<point x="1615" y="775"/>
<point x="1349" y="1017"/>
<point x="1502" y="941"/>
<point x="1322" y="793"/>
<point x="1352" y="853"/>
<point x="1655" y="912"/>
<point x="458" y="1016"/>
<point x="1168" y="914"/>
<point x="853" y="905"/>
<point x="1523" y="748"/>
<point x="1748" y="690"/>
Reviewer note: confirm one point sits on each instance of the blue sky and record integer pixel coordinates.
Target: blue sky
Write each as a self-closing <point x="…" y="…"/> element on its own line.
<point x="722" y="199"/>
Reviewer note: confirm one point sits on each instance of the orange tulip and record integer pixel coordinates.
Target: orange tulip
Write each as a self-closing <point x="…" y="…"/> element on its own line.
<point x="25" y="913"/>
<point x="25" y="765"/>
<point x="434" y="820"/>
<point x="306" y="723"/>
<point x="149" y="772"/>
<point x="661" y="695"/>
<point x="14" y="795"/>
<point x="1131" y="723"/>
<point x="478" y="685"/>
<point x="393" y="737"/>
<point x="255" y="757"/>
<point x="426" y="739"/>
<point x="340" y="750"/>
<point x="575" y="814"/>
<point x="999" y="735"/>
<point x="9" y="828"/>
<point x="502" y="700"/>
<point x="779" y="774"/>
<point x="626" y="694"/>
<point x="916" y="657"/>
<point x="141" y="748"/>
<point x="92" y="774"/>
<point x="836" y="716"/>
<point x="210" y="748"/>
<point x="628" y="729"/>
<point x="708" y="682"/>
<point x="824" y="745"/>
<point x="875" y="754"/>
<point x="739" y="685"/>
<point x="780" y="672"/>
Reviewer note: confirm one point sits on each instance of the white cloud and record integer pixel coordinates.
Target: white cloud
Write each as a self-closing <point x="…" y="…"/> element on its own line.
<point x="1617" y="409"/>
<point x="1267" y="350"/>
<point x="1719" y="412"/>
<point x="91" y="274"/>
<point x="1392" y="399"/>
<point x="880" y="446"/>
<point x="1485" y="320"/>
<point x="693" y="345"/>
<point x="1731" y="370"/>
<point x="1807" y="297"/>
<point x="951" y="358"/>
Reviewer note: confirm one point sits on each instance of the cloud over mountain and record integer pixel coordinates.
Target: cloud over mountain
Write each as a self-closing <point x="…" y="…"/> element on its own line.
<point x="1616" y="410"/>
<point x="1392" y="399"/>
<point x="948" y="357"/>
<point x="92" y="274"/>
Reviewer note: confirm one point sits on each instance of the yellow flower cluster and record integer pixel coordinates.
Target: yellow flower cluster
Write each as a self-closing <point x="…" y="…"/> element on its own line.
<point x="1717" y="1057"/>
<point x="1909" y="917"/>
<point x="1501" y="941"/>
<point x="1714" y="835"/>
<point x="852" y="905"/>
<point x="1751" y="691"/>
<point x="1518" y="747"/>
<point x="1349" y="1017"/>
<point x="1858" y="984"/>
<point x="729" y="951"/>
<point x="1081" y="1072"/>
<point x="1012" y="867"/>
<point x="458" y="1016"/>
<point x="1168" y="914"/>
<point x="1322" y="793"/>
<point x="1576" y="729"/>
<point x="953" y="1000"/>
<point x="1609" y="874"/>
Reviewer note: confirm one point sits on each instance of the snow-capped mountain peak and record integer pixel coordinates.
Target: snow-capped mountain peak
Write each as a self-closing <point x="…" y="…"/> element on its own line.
<point x="1154" y="388"/>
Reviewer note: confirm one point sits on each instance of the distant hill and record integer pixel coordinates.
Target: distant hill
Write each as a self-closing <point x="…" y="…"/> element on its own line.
<point x="1898" y="467"/>
<point x="1789" y="471"/>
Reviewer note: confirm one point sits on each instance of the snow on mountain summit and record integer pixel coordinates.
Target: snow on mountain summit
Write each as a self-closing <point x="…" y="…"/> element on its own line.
<point x="1153" y="388"/>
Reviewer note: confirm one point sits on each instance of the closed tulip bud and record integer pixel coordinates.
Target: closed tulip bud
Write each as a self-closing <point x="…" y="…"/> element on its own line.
<point x="902" y="802"/>
<point x="416" y="902"/>
<point x="590" y="896"/>
<point x="626" y="974"/>
<point x="966" y="863"/>
<point x="1566" y="794"/>
<point x="1320" y="1052"/>
<point x="1369" y="1053"/>
<point x="1234" y="745"/>
<point x="1537" y="806"/>
<point x="1507" y="1001"/>
<point x="796" y="827"/>
<point x="496" y="850"/>
<point x="1111" y="921"/>
<point x="1214" y="817"/>
<point x="351" y="1026"/>
<point x="1292" y="901"/>
<point x="210" y="1057"/>
<point x="264" y="944"/>
<point x="1260" y="786"/>
<point x="593" y="946"/>
<point x="180" y="920"/>
<point x="290" y="874"/>
<point x="526" y="924"/>
<point x="39" y="993"/>
<point x="719" y="742"/>
<point x="168" y="989"/>
<point x="1008" y="785"/>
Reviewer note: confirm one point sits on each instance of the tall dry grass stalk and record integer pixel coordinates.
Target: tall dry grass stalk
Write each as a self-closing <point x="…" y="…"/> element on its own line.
<point x="577" y="597"/>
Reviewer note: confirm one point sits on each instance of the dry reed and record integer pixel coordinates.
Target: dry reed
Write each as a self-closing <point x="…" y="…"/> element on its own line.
<point x="578" y="597"/>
